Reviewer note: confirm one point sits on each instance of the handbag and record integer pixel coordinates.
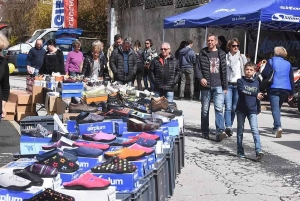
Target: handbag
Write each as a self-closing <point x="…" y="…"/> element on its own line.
<point x="268" y="81"/>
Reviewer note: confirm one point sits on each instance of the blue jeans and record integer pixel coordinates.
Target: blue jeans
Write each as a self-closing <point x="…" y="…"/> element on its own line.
<point x="252" y="118"/>
<point x="217" y="94"/>
<point x="73" y="74"/>
<point x="146" y="78"/>
<point x="231" y="99"/>
<point x="277" y="97"/>
<point x="168" y="94"/>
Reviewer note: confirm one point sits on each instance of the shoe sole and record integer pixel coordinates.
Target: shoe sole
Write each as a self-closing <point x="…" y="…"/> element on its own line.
<point x="18" y="188"/>
<point x="78" y="187"/>
<point x="259" y="157"/>
<point x="279" y="134"/>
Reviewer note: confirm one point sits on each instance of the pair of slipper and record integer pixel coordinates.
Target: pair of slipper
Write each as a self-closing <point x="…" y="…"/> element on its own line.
<point x="87" y="181"/>
<point x="99" y="137"/>
<point x="11" y="181"/>
<point x="115" y="165"/>
<point x="60" y="143"/>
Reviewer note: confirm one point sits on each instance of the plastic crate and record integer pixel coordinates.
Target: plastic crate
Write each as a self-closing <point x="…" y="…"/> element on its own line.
<point x="171" y="173"/>
<point x="32" y="121"/>
<point x="123" y="197"/>
<point x="149" y="175"/>
<point x="141" y="193"/>
<point x="71" y="93"/>
<point x="182" y="149"/>
<point x="72" y="86"/>
<point x="159" y="175"/>
<point x="177" y="155"/>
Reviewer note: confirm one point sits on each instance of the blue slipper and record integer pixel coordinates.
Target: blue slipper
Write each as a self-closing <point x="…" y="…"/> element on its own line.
<point x="146" y="142"/>
<point x="48" y="154"/>
<point x="119" y="141"/>
<point x="84" y="152"/>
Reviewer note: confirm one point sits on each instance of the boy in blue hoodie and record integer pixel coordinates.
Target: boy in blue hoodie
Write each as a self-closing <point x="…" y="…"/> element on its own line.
<point x="248" y="106"/>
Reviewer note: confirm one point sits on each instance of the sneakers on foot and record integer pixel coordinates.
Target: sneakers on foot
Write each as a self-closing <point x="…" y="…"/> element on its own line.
<point x="278" y="132"/>
<point x="228" y="131"/>
<point x="241" y="155"/>
<point x="220" y="136"/>
<point x="259" y="156"/>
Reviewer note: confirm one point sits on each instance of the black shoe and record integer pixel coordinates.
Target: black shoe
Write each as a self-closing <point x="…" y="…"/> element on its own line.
<point x="180" y="98"/>
<point x="220" y="136"/>
<point x="192" y="98"/>
<point x="205" y="136"/>
<point x="259" y="156"/>
<point x="228" y="132"/>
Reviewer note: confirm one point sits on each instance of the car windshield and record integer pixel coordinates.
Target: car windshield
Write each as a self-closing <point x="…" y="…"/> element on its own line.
<point x="65" y="48"/>
<point x="35" y="36"/>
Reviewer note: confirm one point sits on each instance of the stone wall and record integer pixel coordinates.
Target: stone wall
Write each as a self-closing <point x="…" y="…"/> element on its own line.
<point x="140" y="24"/>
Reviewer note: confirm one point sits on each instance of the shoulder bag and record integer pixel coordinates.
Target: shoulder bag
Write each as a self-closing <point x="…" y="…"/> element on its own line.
<point x="268" y="81"/>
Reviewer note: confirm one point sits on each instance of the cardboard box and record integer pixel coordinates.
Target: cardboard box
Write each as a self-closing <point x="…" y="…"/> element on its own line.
<point x="21" y="115"/>
<point x="106" y="127"/>
<point x="10" y="107"/>
<point x="50" y="103"/>
<point x="67" y="116"/>
<point x="32" y="145"/>
<point x="108" y="194"/>
<point x="20" y="97"/>
<point x="9" y="117"/>
<point x="122" y="182"/>
<point x="37" y="94"/>
<point x="26" y="108"/>
<point x="61" y="106"/>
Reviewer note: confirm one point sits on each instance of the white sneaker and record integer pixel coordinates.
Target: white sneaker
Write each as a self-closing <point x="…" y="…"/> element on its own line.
<point x="13" y="182"/>
<point x="278" y="132"/>
<point x="109" y="88"/>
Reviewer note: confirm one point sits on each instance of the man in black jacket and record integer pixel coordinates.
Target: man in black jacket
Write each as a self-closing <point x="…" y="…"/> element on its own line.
<point x="212" y="75"/>
<point x="123" y="63"/>
<point x="35" y="58"/>
<point x="164" y="73"/>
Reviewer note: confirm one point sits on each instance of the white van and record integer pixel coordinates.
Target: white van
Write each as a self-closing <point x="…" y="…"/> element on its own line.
<point x="44" y="34"/>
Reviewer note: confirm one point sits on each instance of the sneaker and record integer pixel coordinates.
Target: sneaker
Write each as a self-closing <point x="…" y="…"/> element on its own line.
<point x="259" y="156"/>
<point x="220" y="136"/>
<point x="228" y="131"/>
<point x="278" y="132"/>
<point x="241" y="155"/>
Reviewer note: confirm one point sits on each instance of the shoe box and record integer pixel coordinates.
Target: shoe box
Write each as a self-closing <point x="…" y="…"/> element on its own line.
<point x="151" y="159"/>
<point x="120" y="127"/>
<point x="67" y="177"/>
<point x="32" y="145"/>
<point x="89" y="128"/>
<point x="11" y="195"/>
<point x="173" y="127"/>
<point x="142" y="166"/>
<point x="122" y="182"/>
<point x="92" y="195"/>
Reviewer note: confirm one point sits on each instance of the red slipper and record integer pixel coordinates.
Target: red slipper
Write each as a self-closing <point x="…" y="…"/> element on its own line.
<point x="139" y="147"/>
<point x="87" y="182"/>
<point x="146" y="136"/>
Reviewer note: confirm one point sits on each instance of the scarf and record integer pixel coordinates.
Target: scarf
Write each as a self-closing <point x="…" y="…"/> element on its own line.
<point x="234" y="62"/>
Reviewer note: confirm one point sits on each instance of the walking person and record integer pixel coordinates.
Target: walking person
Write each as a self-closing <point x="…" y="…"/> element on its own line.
<point x="164" y="72"/>
<point x="182" y="45"/>
<point x="211" y="73"/>
<point x="117" y="42"/>
<point x="148" y="55"/>
<point x="74" y="60"/>
<point x="53" y="60"/>
<point x="123" y="63"/>
<point x="235" y="70"/>
<point x="140" y="64"/>
<point x="35" y="58"/>
<point x="187" y="60"/>
<point x="248" y="106"/>
<point x="4" y="77"/>
<point x="282" y="88"/>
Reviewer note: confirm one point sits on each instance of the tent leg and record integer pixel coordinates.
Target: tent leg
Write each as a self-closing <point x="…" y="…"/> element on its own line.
<point x="245" y="41"/>
<point x="256" y="48"/>
<point x="163" y="35"/>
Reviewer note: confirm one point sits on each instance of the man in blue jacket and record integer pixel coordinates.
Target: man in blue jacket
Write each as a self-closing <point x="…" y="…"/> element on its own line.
<point x="35" y="58"/>
<point x="187" y="60"/>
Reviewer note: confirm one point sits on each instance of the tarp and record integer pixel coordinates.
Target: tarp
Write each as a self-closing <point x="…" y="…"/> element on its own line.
<point x="274" y="14"/>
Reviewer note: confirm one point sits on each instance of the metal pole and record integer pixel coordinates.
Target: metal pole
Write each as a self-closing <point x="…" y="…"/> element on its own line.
<point x="256" y="48"/>
<point x="205" y="38"/>
<point x="245" y="41"/>
<point x="163" y="35"/>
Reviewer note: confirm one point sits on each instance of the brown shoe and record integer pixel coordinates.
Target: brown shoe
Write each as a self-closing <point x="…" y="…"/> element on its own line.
<point x="126" y="153"/>
<point x="80" y="107"/>
<point x="158" y="104"/>
<point x="136" y="125"/>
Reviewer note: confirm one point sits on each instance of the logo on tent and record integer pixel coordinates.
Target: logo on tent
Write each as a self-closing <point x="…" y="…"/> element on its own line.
<point x="289" y="8"/>
<point x="179" y="22"/>
<point x="285" y="18"/>
<point x="225" y="10"/>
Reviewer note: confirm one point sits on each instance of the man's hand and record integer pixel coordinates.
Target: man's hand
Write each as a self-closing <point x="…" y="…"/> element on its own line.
<point x="29" y="70"/>
<point x="203" y="82"/>
<point x="290" y="98"/>
<point x="260" y="96"/>
<point x="3" y="112"/>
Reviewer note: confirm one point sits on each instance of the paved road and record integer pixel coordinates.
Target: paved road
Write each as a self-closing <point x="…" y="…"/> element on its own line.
<point x="212" y="171"/>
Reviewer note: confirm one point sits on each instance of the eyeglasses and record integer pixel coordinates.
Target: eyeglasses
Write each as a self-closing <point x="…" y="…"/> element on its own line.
<point x="147" y="43"/>
<point x="235" y="46"/>
<point x="165" y="49"/>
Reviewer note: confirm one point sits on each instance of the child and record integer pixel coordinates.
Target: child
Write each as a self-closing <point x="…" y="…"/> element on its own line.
<point x="248" y="106"/>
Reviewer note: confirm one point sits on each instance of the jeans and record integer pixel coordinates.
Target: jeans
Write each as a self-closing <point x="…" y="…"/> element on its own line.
<point x="168" y="94"/>
<point x="73" y="74"/>
<point x="277" y="97"/>
<point x="145" y="78"/>
<point x="231" y="99"/>
<point x="139" y="79"/>
<point x="252" y="118"/>
<point x="218" y="96"/>
<point x="187" y="72"/>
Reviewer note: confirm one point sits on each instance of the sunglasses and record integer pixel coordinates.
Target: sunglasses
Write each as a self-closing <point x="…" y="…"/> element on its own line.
<point x="165" y="49"/>
<point x="235" y="46"/>
<point x="147" y="43"/>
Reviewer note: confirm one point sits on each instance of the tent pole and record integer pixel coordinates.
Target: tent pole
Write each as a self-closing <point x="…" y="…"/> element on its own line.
<point x="205" y="38"/>
<point x="256" y="48"/>
<point x="163" y="35"/>
<point x="245" y="41"/>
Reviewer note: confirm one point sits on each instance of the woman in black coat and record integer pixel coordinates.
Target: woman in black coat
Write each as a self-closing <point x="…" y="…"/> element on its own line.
<point x="4" y="77"/>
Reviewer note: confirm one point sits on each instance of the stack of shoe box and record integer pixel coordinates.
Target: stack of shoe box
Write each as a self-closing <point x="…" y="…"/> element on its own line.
<point x="72" y="90"/>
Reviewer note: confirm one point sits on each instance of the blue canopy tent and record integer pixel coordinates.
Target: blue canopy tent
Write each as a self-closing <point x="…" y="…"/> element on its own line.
<point x="245" y="14"/>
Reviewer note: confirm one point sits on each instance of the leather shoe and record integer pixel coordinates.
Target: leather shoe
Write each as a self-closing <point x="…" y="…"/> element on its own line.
<point x="158" y="104"/>
<point x="77" y="108"/>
